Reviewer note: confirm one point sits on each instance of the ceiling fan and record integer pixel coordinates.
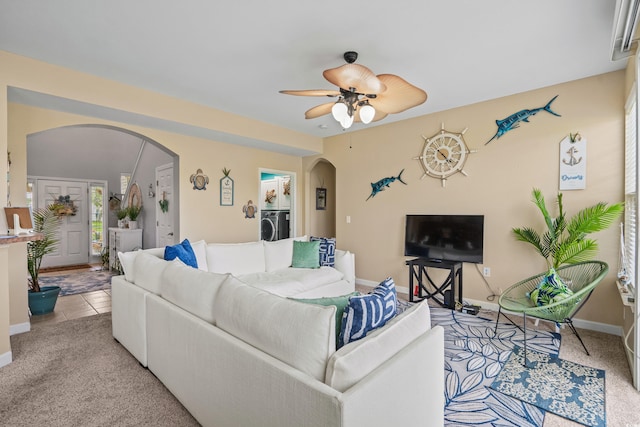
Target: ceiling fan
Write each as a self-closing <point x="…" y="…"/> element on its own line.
<point x="359" y="90"/>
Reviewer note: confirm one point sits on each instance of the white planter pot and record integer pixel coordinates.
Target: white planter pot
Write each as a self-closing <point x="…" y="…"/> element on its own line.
<point x="133" y="225"/>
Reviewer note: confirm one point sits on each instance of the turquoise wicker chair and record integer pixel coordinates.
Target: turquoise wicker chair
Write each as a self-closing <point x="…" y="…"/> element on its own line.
<point x="581" y="278"/>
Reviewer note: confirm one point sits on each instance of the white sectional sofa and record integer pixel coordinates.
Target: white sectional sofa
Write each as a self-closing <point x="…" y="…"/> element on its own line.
<point x="238" y="355"/>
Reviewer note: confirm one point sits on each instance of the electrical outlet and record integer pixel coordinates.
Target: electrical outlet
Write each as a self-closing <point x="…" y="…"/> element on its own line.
<point x="486" y="271"/>
<point x="348" y="219"/>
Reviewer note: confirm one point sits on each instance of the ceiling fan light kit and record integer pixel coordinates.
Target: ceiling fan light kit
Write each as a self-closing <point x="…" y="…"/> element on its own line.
<point x="372" y="97"/>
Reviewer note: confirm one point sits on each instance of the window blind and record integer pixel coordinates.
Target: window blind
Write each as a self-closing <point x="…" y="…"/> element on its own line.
<point x="630" y="185"/>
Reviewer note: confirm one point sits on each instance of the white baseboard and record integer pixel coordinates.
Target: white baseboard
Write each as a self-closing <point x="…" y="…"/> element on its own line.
<point x="578" y="323"/>
<point x="19" y="328"/>
<point x="5" y="359"/>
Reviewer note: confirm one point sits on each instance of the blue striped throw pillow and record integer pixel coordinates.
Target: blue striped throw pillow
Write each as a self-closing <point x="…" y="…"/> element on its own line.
<point x="327" y="250"/>
<point x="368" y="312"/>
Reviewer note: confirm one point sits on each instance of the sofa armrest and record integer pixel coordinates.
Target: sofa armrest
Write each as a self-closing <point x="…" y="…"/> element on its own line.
<point x="414" y="377"/>
<point x="346" y="264"/>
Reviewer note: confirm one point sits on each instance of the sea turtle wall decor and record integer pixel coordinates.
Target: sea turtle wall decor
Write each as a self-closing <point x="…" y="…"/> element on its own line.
<point x="199" y="180"/>
<point x="249" y="210"/>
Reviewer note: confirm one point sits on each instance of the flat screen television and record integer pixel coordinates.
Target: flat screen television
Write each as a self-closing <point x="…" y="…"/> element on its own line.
<point x="458" y="238"/>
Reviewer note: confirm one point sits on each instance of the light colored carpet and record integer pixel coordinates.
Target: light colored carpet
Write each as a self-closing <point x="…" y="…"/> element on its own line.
<point x="74" y="373"/>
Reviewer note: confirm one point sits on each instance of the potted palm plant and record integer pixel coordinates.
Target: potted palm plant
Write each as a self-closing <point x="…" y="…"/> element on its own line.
<point x="565" y="241"/>
<point x="132" y="212"/>
<point x="42" y="299"/>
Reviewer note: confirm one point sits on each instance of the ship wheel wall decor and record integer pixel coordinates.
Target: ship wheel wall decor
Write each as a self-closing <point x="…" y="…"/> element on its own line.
<point x="444" y="154"/>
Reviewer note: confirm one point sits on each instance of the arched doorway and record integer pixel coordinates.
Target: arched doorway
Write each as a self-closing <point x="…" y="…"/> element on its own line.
<point x="322" y="195"/>
<point x="107" y="154"/>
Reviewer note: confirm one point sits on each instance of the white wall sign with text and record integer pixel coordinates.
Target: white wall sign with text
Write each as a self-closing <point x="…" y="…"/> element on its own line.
<point x="573" y="163"/>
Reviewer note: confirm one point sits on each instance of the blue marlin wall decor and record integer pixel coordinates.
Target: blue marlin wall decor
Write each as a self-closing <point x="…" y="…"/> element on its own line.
<point x="379" y="186"/>
<point x="513" y="121"/>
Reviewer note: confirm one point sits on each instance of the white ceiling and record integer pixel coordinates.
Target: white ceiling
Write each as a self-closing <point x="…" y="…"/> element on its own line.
<point x="236" y="56"/>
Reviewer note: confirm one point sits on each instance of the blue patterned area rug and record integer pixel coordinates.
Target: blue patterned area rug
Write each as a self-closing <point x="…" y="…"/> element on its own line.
<point x="79" y="283"/>
<point x="474" y="356"/>
<point x="565" y="388"/>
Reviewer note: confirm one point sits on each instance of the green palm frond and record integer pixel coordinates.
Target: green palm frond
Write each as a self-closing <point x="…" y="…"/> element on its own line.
<point x="565" y="240"/>
<point x="46" y="222"/>
<point x="575" y="252"/>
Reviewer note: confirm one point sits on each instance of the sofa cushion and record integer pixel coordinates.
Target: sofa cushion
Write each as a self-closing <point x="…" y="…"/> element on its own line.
<point x="344" y="264"/>
<point x="289" y="282"/>
<point x="147" y="271"/>
<point x="340" y="302"/>
<point x="279" y="254"/>
<point x="356" y="360"/>
<point x="191" y="289"/>
<point x="306" y="254"/>
<point x="368" y="312"/>
<point x="301" y="335"/>
<point x="182" y="251"/>
<point x="236" y="258"/>
<point x="327" y="250"/>
<point x="127" y="259"/>
<point x="200" y="251"/>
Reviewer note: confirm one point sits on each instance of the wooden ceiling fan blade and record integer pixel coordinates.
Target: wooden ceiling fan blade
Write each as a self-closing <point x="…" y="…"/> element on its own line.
<point x="399" y="96"/>
<point x="319" y="110"/>
<point x="355" y="76"/>
<point x="312" y="92"/>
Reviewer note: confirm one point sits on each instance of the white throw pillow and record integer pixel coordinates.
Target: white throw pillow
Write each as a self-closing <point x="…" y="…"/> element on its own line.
<point x="191" y="289"/>
<point x="301" y="335"/>
<point x="127" y="260"/>
<point x="278" y="254"/>
<point x="344" y="264"/>
<point x="200" y="250"/>
<point x="147" y="270"/>
<point x="236" y="258"/>
<point x="350" y="364"/>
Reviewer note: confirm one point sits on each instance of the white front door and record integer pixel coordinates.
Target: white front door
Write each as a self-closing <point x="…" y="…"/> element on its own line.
<point x="73" y="248"/>
<point x="164" y="220"/>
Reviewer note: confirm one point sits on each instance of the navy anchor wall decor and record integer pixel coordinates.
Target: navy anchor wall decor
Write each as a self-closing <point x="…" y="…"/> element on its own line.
<point x="514" y="120"/>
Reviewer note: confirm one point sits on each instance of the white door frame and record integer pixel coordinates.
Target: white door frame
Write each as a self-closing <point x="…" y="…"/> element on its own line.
<point x="293" y="210"/>
<point x="34" y="200"/>
<point x="173" y="205"/>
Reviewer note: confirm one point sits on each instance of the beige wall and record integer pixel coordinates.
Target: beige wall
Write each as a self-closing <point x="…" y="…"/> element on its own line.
<point x="500" y="178"/>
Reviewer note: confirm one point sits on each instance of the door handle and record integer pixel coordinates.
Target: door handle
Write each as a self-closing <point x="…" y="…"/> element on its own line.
<point x="170" y="234"/>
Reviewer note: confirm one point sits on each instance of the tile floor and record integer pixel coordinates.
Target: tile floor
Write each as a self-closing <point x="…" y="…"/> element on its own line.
<point x="75" y="306"/>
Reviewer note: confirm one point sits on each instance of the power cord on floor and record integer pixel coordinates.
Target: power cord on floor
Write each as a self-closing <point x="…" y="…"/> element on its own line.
<point x="492" y="295"/>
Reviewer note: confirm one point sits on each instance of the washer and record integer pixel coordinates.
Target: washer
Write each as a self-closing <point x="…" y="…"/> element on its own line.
<point x="269" y="225"/>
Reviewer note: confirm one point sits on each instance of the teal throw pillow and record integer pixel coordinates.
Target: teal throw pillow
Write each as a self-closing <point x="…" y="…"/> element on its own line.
<point x="550" y="290"/>
<point x="183" y="251"/>
<point x="306" y="254"/>
<point x="339" y="302"/>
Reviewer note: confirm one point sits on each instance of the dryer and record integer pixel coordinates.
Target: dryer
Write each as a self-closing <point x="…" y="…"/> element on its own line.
<point x="283" y="225"/>
<point x="269" y="225"/>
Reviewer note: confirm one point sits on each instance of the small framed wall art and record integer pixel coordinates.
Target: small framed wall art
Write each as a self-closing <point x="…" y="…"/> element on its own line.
<point x="226" y="189"/>
<point x="321" y="199"/>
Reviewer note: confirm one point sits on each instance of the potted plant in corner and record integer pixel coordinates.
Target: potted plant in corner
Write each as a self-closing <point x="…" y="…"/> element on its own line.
<point x="121" y="214"/>
<point x="42" y="299"/>
<point x="566" y="239"/>
<point x="133" y="212"/>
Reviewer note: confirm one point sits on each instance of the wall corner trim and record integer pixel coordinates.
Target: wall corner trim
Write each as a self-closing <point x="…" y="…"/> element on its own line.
<point x="19" y="328"/>
<point x="5" y="359"/>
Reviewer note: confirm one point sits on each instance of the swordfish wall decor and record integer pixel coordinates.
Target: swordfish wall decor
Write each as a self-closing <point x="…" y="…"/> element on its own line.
<point x="514" y="120"/>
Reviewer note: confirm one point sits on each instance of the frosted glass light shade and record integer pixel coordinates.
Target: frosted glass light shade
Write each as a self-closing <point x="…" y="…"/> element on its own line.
<point x="339" y="111"/>
<point x="366" y="113"/>
<point x="346" y="122"/>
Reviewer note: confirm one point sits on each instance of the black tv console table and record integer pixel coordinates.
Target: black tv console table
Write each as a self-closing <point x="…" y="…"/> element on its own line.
<point x="418" y="271"/>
